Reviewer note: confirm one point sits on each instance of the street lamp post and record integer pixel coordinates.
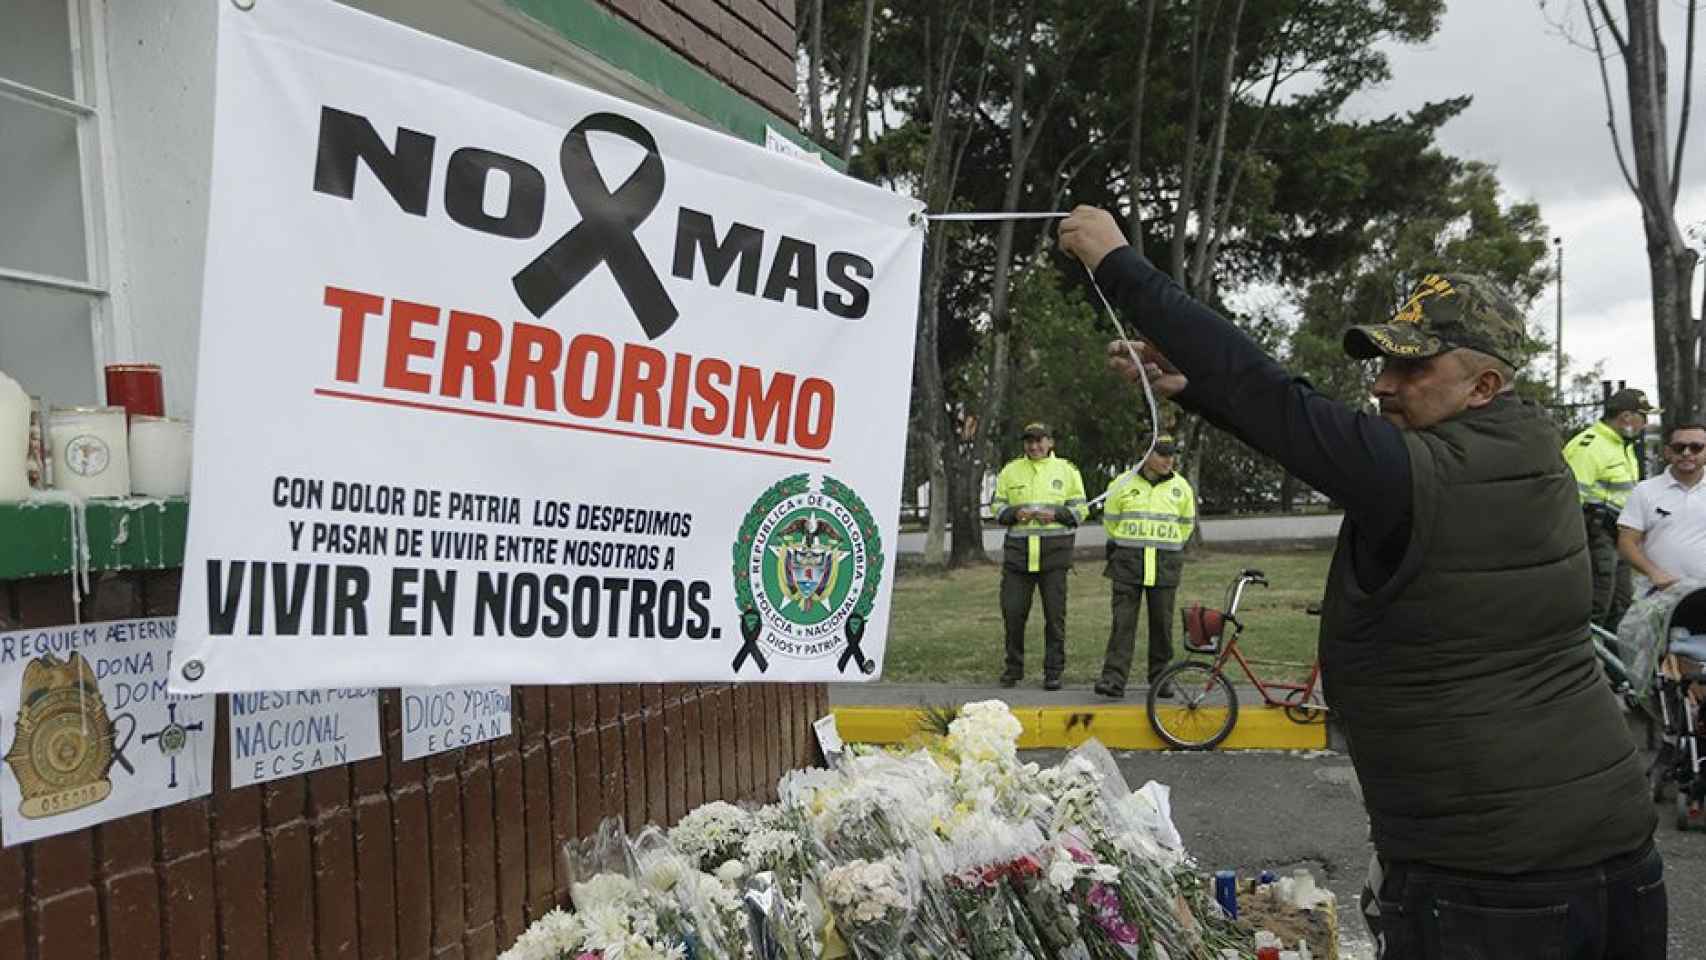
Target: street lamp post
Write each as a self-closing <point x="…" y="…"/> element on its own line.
<point x="1558" y="336"/>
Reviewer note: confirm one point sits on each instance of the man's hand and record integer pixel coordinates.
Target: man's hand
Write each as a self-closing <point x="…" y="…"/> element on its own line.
<point x="1164" y="378"/>
<point x="1664" y="580"/>
<point x="1025" y="515"/>
<point x="1090" y="234"/>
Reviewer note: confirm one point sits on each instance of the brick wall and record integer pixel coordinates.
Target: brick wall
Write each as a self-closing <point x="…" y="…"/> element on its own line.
<point x="748" y="44"/>
<point x="446" y="857"/>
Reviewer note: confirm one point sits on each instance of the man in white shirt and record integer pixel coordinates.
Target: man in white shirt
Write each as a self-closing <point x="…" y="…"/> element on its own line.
<point x="1662" y="529"/>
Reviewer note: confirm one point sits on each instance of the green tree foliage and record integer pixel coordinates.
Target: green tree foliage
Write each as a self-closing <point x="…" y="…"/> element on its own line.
<point x="1101" y="428"/>
<point x="1461" y="226"/>
<point x="1230" y="157"/>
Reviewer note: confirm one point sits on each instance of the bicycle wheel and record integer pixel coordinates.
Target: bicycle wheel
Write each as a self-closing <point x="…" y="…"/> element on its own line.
<point x="1203" y="709"/>
<point x="1298" y="710"/>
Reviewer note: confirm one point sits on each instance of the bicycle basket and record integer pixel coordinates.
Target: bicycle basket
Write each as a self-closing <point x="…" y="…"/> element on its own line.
<point x="1203" y="628"/>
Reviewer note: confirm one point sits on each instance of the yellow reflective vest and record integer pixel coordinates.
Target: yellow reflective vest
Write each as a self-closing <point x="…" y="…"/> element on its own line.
<point x="1605" y="465"/>
<point x="1052" y="484"/>
<point x="1154" y="517"/>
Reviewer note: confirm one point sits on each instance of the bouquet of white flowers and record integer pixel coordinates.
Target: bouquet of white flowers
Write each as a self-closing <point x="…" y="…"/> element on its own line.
<point x="620" y="925"/>
<point x="872" y="903"/>
<point x="712" y="835"/>
<point x="954" y="852"/>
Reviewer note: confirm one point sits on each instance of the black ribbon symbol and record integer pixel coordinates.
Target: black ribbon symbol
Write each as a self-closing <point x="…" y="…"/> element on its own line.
<point x="855" y="633"/>
<point x="606" y="231"/>
<point x="751" y="628"/>
<point x="119" y="745"/>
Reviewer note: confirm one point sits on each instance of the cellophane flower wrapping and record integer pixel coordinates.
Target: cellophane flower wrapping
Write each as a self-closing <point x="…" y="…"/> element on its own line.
<point x="952" y="849"/>
<point x="873" y="903"/>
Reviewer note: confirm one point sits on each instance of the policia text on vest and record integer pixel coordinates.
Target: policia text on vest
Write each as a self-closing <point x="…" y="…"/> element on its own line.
<point x="1040" y="499"/>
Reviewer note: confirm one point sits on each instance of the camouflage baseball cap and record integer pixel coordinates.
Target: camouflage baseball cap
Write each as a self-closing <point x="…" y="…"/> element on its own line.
<point x="1445" y="311"/>
<point x="1035" y="428"/>
<point x="1628" y="401"/>
<point x="1166" y="445"/>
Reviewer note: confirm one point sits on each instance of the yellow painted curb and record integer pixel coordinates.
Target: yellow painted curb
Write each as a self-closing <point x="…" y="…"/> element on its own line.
<point x="1118" y="727"/>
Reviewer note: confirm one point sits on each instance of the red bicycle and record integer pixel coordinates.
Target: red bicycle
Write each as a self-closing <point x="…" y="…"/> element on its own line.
<point x="1193" y="704"/>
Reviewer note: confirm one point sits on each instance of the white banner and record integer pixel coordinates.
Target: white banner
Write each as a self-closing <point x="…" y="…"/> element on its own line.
<point x="436" y="719"/>
<point x="284" y="733"/>
<point x="504" y="380"/>
<point x="88" y="731"/>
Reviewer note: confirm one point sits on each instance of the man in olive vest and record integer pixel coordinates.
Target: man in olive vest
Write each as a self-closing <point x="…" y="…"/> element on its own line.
<point x="1039" y="498"/>
<point x="1508" y="804"/>
<point x="1148" y="515"/>
<point x="1606" y="461"/>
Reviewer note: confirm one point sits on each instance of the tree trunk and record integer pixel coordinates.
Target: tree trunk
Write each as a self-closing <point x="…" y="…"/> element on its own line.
<point x="859" y="84"/>
<point x="965" y="486"/>
<point x="1024" y="127"/>
<point x="936" y="530"/>
<point x="1206" y="216"/>
<point x="1134" y="155"/>
<point x="814" y="71"/>
<point x="1188" y="166"/>
<point x="1654" y="181"/>
<point x="1197" y="438"/>
<point x="941" y="172"/>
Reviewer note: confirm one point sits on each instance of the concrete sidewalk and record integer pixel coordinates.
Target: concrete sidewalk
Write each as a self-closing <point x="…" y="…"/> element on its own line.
<point x="890" y="713"/>
<point x="1320" y="528"/>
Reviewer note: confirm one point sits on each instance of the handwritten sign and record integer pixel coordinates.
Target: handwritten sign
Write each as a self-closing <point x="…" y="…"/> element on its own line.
<point x="436" y="719"/>
<point x="286" y="733"/>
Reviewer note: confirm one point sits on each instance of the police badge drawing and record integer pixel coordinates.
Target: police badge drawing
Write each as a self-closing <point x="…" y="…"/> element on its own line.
<point x="808" y="572"/>
<point x="88" y="732"/>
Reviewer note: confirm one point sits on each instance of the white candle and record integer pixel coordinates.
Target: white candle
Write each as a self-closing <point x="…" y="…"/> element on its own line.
<point x="91" y="455"/>
<point x="159" y="457"/>
<point x="1303" y="888"/>
<point x="14" y="440"/>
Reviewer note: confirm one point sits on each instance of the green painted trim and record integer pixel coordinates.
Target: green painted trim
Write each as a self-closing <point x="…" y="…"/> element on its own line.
<point x="588" y="25"/>
<point x="123" y="535"/>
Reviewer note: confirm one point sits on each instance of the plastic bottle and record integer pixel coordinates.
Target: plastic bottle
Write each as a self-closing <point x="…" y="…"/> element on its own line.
<point x="1267" y="946"/>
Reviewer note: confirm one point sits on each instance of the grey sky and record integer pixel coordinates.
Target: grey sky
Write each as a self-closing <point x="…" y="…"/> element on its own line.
<point x="1539" y="116"/>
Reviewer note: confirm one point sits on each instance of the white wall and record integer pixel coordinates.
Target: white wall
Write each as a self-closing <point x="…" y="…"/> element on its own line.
<point x="160" y="66"/>
<point x="160" y="73"/>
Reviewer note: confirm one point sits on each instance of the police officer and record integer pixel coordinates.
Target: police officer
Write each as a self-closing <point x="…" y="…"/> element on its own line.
<point x="1039" y="498"/>
<point x="1149" y="515"/>
<point x="1606" y="461"/>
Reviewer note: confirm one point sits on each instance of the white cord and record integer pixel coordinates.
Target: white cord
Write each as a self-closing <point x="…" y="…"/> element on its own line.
<point x="1143" y="378"/>
<point x="1142" y="375"/>
<point x="1049" y="215"/>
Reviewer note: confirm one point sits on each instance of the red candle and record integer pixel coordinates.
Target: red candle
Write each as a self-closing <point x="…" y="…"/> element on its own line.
<point x="137" y="387"/>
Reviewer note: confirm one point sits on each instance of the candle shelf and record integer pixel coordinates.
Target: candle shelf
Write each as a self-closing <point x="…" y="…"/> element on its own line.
<point x="136" y="533"/>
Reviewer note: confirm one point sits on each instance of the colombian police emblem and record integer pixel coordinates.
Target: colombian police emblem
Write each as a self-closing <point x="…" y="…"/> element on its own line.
<point x="807" y="564"/>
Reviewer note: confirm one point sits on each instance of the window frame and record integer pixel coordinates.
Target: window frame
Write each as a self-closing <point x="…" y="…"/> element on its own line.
<point x="89" y="105"/>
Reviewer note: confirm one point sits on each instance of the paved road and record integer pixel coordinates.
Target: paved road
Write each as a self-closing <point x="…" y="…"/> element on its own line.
<point x="1216" y="530"/>
<point x="1284" y="810"/>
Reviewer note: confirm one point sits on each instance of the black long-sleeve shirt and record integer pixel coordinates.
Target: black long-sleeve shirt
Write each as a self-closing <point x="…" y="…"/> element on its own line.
<point x="1356" y="458"/>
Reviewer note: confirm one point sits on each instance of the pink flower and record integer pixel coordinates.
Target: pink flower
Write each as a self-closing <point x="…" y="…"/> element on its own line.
<point x="1121" y="931"/>
<point x="1103" y="898"/>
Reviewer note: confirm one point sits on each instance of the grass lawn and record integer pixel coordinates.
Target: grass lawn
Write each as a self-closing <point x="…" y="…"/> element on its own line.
<point x="947" y="626"/>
